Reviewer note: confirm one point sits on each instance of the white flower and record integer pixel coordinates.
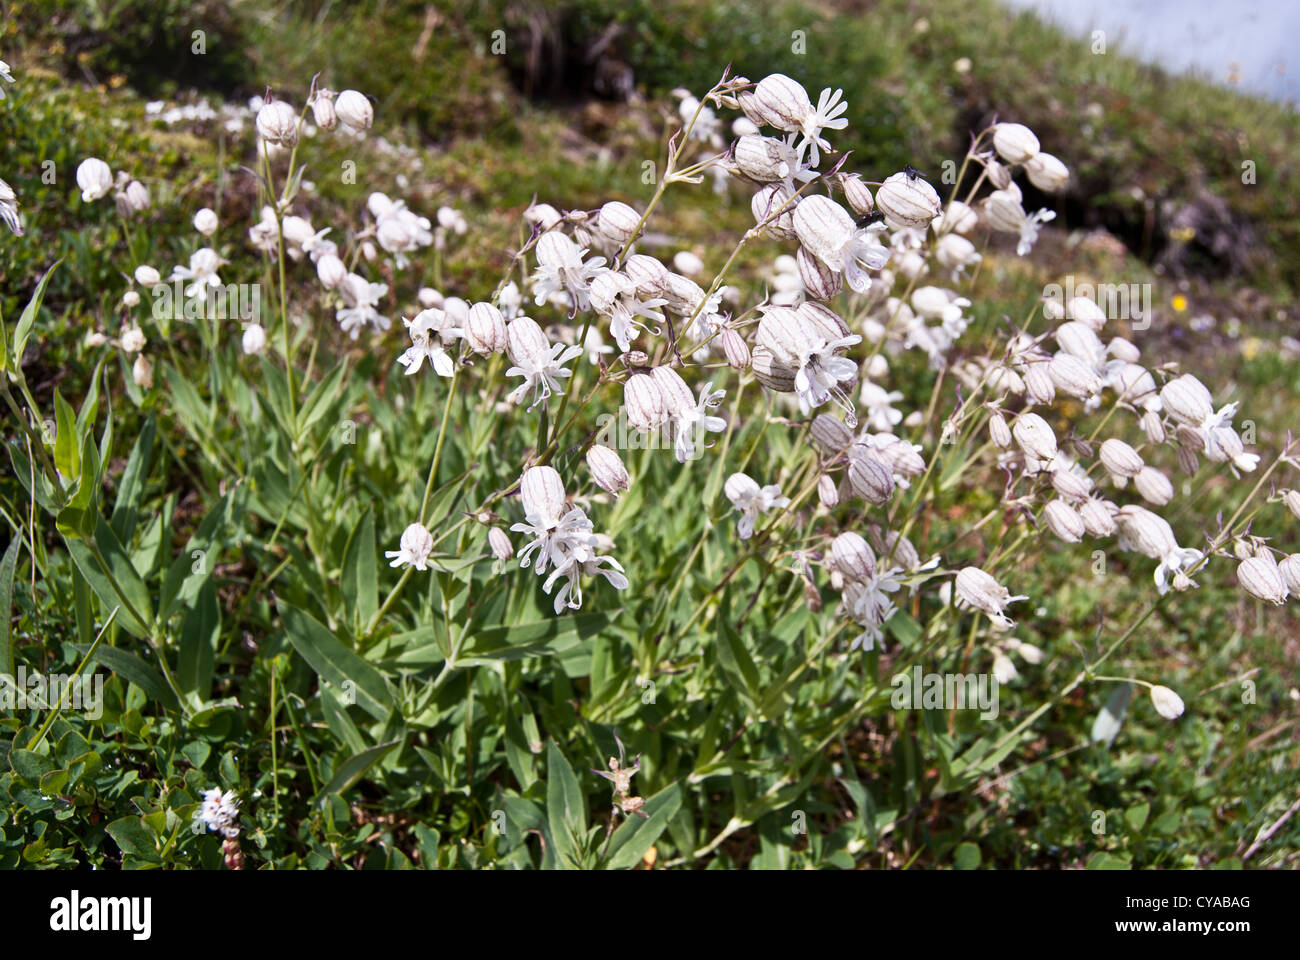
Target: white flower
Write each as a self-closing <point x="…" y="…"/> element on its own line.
<point x="6" y="76"/>
<point x="751" y="500"/>
<point x="694" y="420"/>
<point x="431" y="332"/>
<point x="879" y="402"/>
<point x="9" y="209"/>
<point x="977" y="589"/>
<point x="570" y="594"/>
<point x="828" y="232"/>
<point x="95" y="179"/>
<point x="1167" y="703"/>
<point x="254" y="338"/>
<point x="219" y="812"/>
<point x="614" y="295"/>
<point x="868" y="604"/>
<point x="541" y="366"/>
<point x="354" y="110"/>
<point x="202" y="272"/>
<point x="133" y="340"/>
<point x="277" y="123"/>
<point x="414" y="548"/>
<point x="1151" y="535"/>
<point x="561" y="268"/>
<point x="205" y="221"/>
<point x="360" y="298"/>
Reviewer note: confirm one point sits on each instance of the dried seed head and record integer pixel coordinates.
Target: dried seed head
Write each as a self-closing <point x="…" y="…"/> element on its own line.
<point x="853" y="557"/>
<point x="1119" y="459"/>
<point x="1259" y="576"/>
<point x="607" y="469"/>
<point x="1015" y="143"/>
<point x="907" y="201"/>
<point x="1153" y="486"/>
<point x="1167" y="703"/>
<point x="485" y="329"/>
<point x="499" y="543"/>
<point x="871" y="479"/>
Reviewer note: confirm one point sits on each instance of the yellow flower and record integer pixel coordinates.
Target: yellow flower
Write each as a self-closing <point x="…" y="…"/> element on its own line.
<point x="1179" y="302"/>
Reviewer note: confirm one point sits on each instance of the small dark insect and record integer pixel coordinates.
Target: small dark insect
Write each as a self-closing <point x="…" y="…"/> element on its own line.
<point x="875" y="216"/>
<point x="912" y="172"/>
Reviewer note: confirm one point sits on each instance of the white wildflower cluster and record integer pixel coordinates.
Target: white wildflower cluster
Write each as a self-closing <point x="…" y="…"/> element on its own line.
<point x="219" y="812"/>
<point x="8" y="199"/>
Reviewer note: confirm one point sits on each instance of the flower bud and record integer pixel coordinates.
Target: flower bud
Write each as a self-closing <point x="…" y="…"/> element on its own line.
<point x="999" y="432"/>
<point x="830" y="434"/>
<point x="137" y="197"/>
<point x="907" y="201"/>
<point x="354" y="110"/>
<point x="978" y="589"/>
<point x="1153" y="486"/>
<point x="607" y="469"/>
<point x="853" y="557"/>
<point x="94" y="178"/>
<point x="1015" y="143"/>
<point x="499" y="542"/>
<point x="331" y="271"/>
<point x="677" y="395"/>
<point x="142" y="372"/>
<point x="147" y="276"/>
<point x="277" y="122"/>
<point x="871" y="479"/>
<point x="1071" y="485"/>
<point x="858" y="194"/>
<point x="1064" y="521"/>
<point x="998" y="175"/>
<point x="1167" y="703"/>
<point x="827" y="492"/>
<point x="205" y="222"/>
<point x="1259" y="576"/>
<point x="1119" y="459"/>
<point x="254" y="338"/>
<point x="485" y="329"/>
<point x="1153" y="427"/>
<point x="1046" y="172"/>
<point x="734" y="349"/>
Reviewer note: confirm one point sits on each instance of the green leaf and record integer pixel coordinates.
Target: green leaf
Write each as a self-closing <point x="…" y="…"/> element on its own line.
<point x="337" y="664"/>
<point x="130" y="488"/>
<point x="182" y="584"/>
<point x="566" y="810"/>
<point x="636" y="835"/>
<point x="132" y="668"/>
<point x="359" y="583"/>
<point x="67" y="452"/>
<point x="134" y="838"/>
<point x="119" y="575"/>
<point x="7" y="566"/>
<point x="1136" y="816"/>
<point x="199" y="632"/>
<point x="28" y="317"/>
<point x="352" y="769"/>
<point x="551" y="636"/>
